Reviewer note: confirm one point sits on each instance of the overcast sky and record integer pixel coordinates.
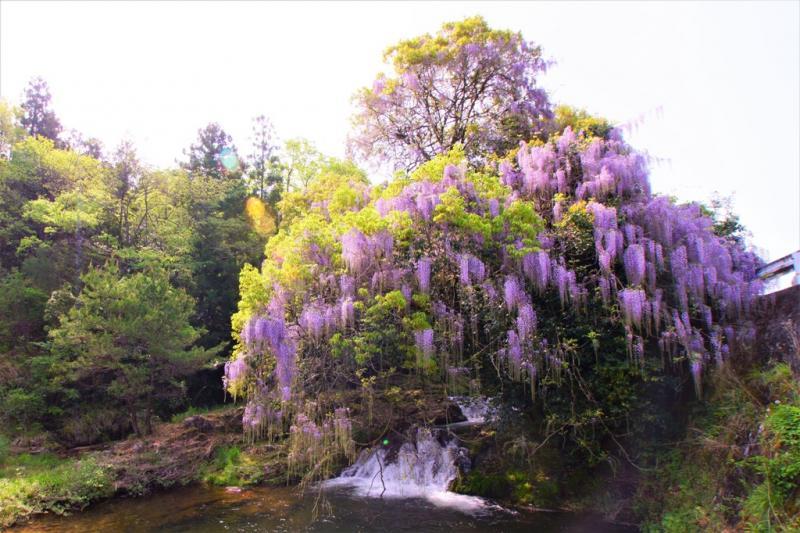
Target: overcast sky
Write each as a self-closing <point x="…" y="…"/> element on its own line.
<point x="710" y="90"/>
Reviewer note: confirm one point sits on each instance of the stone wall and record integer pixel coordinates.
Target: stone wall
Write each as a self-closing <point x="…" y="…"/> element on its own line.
<point x="778" y="327"/>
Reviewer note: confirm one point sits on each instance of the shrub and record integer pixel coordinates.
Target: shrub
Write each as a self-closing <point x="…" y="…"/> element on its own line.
<point x="232" y="467"/>
<point x="44" y="483"/>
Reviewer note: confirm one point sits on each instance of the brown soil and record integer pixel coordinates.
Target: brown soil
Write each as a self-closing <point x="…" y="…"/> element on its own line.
<point x="173" y="454"/>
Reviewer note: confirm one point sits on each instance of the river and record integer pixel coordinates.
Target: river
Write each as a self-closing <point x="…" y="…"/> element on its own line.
<point x="202" y="509"/>
<point x="400" y="489"/>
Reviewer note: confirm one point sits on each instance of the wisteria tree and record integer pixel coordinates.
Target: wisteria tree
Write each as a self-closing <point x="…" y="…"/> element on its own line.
<point x="548" y="274"/>
<point x="560" y="273"/>
<point x="467" y="85"/>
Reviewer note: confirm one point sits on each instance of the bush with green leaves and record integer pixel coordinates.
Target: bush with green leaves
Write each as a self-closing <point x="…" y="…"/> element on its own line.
<point x="740" y="463"/>
<point x="127" y="342"/>
<point x="37" y="484"/>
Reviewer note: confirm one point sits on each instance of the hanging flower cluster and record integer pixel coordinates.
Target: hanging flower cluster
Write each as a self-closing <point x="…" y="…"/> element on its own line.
<point x="315" y="444"/>
<point x="678" y="281"/>
<point x="480" y="249"/>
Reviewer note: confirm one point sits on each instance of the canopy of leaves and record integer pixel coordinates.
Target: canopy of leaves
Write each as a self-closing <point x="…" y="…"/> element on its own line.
<point x="62" y="211"/>
<point x="213" y="155"/>
<point x="467" y="85"/>
<point x="130" y="336"/>
<point x="559" y="271"/>
<point x="38" y="119"/>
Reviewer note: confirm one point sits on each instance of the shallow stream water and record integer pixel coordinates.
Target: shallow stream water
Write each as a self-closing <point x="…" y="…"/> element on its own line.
<point x="201" y="509"/>
<point x="387" y="489"/>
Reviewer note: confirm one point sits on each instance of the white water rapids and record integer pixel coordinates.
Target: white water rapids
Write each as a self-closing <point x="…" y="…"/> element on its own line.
<point x="424" y="468"/>
<point x="476" y="409"/>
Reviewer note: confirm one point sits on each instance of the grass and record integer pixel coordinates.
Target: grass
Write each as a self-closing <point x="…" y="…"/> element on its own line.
<point x="232" y="467"/>
<point x="46" y="483"/>
<point x="32" y="484"/>
<point x="194" y="411"/>
<point x="739" y="467"/>
<point x="4" y="446"/>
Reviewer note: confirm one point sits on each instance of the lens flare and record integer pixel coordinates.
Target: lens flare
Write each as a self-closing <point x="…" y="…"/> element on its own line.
<point x="261" y="220"/>
<point x="228" y="159"/>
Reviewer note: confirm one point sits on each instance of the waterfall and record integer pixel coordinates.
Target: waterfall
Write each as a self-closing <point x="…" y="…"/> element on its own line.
<point x="476" y="409"/>
<point x="422" y="468"/>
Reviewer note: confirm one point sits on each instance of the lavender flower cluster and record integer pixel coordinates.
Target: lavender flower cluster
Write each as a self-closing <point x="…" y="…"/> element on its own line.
<point x="659" y="267"/>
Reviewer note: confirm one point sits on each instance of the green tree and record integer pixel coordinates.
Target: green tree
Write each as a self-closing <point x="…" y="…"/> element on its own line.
<point x="221" y="243"/>
<point x="467" y="85"/>
<point x="580" y="120"/>
<point x="264" y="176"/>
<point x="213" y="155"/>
<point x="302" y="163"/>
<point x="10" y="130"/>
<point x="91" y="146"/>
<point x="21" y="312"/>
<point x="38" y="119"/>
<point x="133" y="337"/>
<point x="55" y="205"/>
<point x="126" y="174"/>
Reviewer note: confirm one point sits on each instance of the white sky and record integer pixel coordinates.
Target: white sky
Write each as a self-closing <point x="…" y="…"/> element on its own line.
<point x="716" y="85"/>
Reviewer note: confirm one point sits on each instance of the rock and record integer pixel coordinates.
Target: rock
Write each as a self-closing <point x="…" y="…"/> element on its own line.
<point x="452" y="413"/>
<point x="231" y="421"/>
<point x="463" y="461"/>
<point x="200" y="423"/>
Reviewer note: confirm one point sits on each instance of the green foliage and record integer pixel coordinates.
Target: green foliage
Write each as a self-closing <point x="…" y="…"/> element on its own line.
<point x="4" y="446"/>
<point x="446" y="45"/>
<point x="775" y="502"/>
<point x="61" y="211"/>
<point x="131" y="336"/>
<point x="431" y="170"/>
<point x="580" y="120"/>
<point x="232" y="467"/>
<point x="382" y="342"/>
<point x="222" y="242"/>
<point x="726" y="222"/>
<point x="68" y="213"/>
<point x="742" y="468"/>
<point x="521" y="219"/>
<point x="303" y="163"/>
<point x="10" y="130"/>
<point x="39" y="484"/>
<point x="206" y="156"/>
<point x="314" y="196"/>
<point x="23" y="407"/>
<point x="452" y="211"/>
<point x="514" y="485"/>
<point x="21" y="312"/>
<point x="305" y="222"/>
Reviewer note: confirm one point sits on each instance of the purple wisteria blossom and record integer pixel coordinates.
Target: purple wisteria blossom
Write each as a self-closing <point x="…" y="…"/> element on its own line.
<point x="424" y="342"/>
<point x="635" y="265"/>
<point x="513" y="295"/>
<point x="424" y="274"/>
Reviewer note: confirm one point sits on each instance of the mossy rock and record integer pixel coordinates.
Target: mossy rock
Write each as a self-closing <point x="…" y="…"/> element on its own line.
<point x="514" y="486"/>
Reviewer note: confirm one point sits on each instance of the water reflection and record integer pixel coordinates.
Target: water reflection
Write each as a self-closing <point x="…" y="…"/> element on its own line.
<point x="200" y="509"/>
